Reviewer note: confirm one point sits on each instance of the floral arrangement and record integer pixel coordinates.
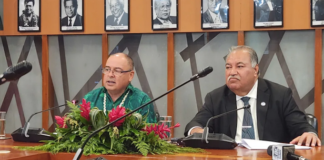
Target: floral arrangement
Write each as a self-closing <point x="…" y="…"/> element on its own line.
<point x="131" y="135"/>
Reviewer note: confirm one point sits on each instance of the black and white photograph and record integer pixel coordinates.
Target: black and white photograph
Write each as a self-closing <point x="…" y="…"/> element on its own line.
<point x="214" y="14"/>
<point x="268" y="13"/>
<point x="117" y="15"/>
<point x="71" y="15"/>
<point x="317" y="15"/>
<point x="164" y="14"/>
<point x="29" y="15"/>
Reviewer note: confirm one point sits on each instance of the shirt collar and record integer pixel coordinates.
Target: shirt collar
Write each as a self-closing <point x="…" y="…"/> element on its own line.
<point x="130" y="87"/>
<point x="164" y="21"/>
<point x="118" y="18"/>
<point x="73" y="18"/>
<point x="214" y="15"/>
<point x="252" y="93"/>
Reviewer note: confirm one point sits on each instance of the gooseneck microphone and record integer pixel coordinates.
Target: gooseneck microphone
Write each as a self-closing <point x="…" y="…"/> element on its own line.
<point x="26" y="126"/>
<point x="206" y="129"/>
<point x="284" y="152"/>
<point x="26" y="134"/>
<point x="203" y="73"/>
<point x="13" y="73"/>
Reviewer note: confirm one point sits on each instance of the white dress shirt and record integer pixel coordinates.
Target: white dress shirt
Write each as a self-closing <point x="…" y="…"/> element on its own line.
<point x="164" y="22"/>
<point x="240" y="113"/>
<point x="73" y="20"/>
<point x="119" y="18"/>
<point x="216" y="17"/>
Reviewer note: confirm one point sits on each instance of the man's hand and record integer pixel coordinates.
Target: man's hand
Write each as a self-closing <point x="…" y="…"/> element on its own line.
<point x="307" y="139"/>
<point x="196" y="130"/>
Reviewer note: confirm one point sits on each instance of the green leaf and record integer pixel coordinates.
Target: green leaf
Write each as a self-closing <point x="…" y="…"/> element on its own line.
<point x="98" y="118"/>
<point x="134" y="131"/>
<point x="72" y="137"/>
<point x="51" y="134"/>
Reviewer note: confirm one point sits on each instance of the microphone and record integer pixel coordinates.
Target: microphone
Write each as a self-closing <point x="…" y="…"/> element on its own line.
<point x="202" y="73"/>
<point x="206" y="129"/>
<point x="21" y="134"/>
<point x="79" y="152"/>
<point x="283" y="152"/>
<point x="13" y="73"/>
<point x="211" y="140"/>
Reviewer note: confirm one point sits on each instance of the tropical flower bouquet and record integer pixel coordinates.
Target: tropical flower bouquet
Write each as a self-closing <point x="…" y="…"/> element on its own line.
<point x="131" y="135"/>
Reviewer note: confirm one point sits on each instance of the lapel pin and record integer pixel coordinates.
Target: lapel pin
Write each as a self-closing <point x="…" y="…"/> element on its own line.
<point x="263" y="103"/>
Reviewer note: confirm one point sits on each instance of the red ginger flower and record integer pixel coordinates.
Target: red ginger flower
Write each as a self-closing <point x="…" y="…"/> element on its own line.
<point x="115" y="114"/>
<point x="85" y="109"/>
<point x="60" y="121"/>
<point x="159" y="129"/>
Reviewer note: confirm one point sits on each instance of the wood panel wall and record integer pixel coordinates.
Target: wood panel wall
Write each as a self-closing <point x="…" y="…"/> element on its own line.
<point x="296" y="17"/>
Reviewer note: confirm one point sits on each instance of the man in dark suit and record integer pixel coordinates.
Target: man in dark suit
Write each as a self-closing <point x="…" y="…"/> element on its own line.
<point x="273" y="115"/>
<point x="162" y="9"/>
<point x="72" y="17"/>
<point x="28" y="18"/>
<point x="319" y="10"/>
<point x="214" y="13"/>
<point x="119" y="17"/>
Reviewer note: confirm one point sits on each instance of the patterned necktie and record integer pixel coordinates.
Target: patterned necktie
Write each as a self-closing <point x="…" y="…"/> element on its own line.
<point x="70" y="22"/>
<point x="247" y="127"/>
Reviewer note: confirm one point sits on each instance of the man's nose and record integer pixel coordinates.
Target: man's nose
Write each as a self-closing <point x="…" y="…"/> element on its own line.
<point x="233" y="71"/>
<point x="111" y="74"/>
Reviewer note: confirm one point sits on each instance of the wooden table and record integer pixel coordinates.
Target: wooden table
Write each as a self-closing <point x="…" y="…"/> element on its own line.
<point x="316" y="153"/>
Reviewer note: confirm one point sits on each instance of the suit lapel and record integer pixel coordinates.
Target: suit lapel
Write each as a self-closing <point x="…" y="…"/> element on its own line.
<point x="232" y="117"/>
<point x="210" y="19"/>
<point x="262" y="106"/>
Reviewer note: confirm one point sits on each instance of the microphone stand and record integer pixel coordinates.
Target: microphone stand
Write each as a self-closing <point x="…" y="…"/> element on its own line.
<point x="21" y="134"/>
<point x="206" y="129"/>
<point x="79" y="152"/>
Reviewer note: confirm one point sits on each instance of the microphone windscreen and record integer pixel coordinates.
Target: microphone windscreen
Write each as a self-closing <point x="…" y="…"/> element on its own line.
<point x="205" y="72"/>
<point x="269" y="150"/>
<point x="20" y="69"/>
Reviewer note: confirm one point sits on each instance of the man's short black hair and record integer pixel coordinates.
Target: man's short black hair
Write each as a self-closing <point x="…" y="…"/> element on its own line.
<point x="75" y="2"/>
<point x="26" y="1"/>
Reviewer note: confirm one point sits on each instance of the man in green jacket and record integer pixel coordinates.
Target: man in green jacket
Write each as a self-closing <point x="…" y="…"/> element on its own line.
<point x="118" y="90"/>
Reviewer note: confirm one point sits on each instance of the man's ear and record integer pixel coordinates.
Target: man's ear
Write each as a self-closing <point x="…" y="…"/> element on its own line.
<point x="256" y="69"/>
<point x="131" y="76"/>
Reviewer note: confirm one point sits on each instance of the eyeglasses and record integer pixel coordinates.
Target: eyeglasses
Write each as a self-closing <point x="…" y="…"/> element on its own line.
<point x="116" y="71"/>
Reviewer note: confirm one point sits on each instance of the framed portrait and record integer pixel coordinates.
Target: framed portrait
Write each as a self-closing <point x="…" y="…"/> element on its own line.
<point x="29" y="18"/>
<point x="268" y="13"/>
<point x="116" y="15"/>
<point x="164" y="14"/>
<point x="71" y="15"/>
<point x="317" y="13"/>
<point x="214" y="14"/>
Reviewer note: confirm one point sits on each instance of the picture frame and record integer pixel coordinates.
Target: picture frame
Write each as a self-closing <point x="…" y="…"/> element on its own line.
<point x="167" y="20"/>
<point x="29" y="16"/>
<point x="71" y="15"/>
<point x="268" y="13"/>
<point x="317" y="16"/>
<point x="214" y="14"/>
<point x="119" y="19"/>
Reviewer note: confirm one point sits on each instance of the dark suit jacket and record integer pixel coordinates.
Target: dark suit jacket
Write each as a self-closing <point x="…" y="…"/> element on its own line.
<point x="123" y="21"/>
<point x="77" y="22"/>
<point x="172" y="19"/>
<point x="207" y="18"/>
<point x="279" y="120"/>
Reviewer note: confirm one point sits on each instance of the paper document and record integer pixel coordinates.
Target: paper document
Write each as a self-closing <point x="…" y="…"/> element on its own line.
<point x="258" y="144"/>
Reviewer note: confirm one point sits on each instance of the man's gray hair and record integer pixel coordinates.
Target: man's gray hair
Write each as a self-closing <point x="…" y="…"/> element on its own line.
<point x="156" y="4"/>
<point x="121" y="2"/>
<point x="250" y="50"/>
